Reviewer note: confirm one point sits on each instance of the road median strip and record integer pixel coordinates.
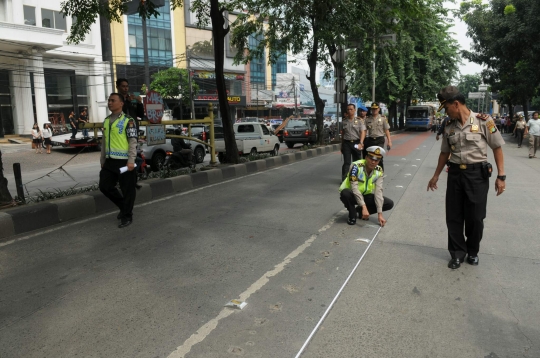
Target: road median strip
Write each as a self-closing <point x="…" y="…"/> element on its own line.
<point x="31" y="217"/>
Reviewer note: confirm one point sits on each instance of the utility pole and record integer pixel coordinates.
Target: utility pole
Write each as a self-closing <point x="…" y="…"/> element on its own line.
<point x="188" y="56"/>
<point x="295" y="100"/>
<point x="374" y="58"/>
<point x="145" y="50"/>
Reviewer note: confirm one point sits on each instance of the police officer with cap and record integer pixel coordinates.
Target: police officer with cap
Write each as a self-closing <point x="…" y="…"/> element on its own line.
<point x="119" y="149"/>
<point x="377" y="128"/>
<point x="354" y="132"/>
<point x="363" y="186"/>
<point x="467" y="136"/>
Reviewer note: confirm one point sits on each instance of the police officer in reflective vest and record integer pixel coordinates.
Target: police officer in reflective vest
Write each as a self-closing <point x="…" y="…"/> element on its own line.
<point x="363" y="186"/>
<point x="119" y="149"/>
<point x="467" y="136"/>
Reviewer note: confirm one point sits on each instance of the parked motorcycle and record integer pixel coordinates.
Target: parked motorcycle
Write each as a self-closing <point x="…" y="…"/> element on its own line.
<point x="180" y="159"/>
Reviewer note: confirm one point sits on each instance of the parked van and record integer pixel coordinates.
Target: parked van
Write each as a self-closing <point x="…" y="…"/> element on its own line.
<point x="420" y="117"/>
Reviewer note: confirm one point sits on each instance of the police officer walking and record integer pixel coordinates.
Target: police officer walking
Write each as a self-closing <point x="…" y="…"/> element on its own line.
<point x="354" y="132"/>
<point x="363" y="186"/>
<point x="377" y="128"/>
<point x="119" y="149"/>
<point x="466" y="138"/>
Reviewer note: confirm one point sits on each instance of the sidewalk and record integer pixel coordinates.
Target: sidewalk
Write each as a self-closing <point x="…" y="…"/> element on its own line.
<point x="403" y="301"/>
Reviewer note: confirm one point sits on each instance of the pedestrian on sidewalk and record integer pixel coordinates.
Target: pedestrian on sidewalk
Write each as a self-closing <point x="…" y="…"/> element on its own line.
<point x="37" y="138"/>
<point x="354" y="132"/>
<point x="466" y="138"/>
<point x="73" y="124"/>
<point x="83" y="119"/>
<point x="47" y="134"/>
<point x="363" y="187"/>
<point x="499" y="123"/>
<point x="533" y="130"/>
<point x="519" y="129"/>
<point x="118" y="150"/>
<point x="377" y="127"/>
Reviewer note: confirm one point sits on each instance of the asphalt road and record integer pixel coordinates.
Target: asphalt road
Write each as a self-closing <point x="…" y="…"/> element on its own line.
<point x="279" y="241"/>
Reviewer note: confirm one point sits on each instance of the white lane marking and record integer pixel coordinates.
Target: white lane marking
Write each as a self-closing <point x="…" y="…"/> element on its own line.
<point x="418" y="159"/>
<point x="40" y="232"/>
<point x="396" y="165"/>
<point x="407" y="175"/>
<point x="399" y="186"/>
<point x="336" y="297"/>
<point x="209" y="326"/>
<point x="403" y="159"/>
<point x="414" y="165"/>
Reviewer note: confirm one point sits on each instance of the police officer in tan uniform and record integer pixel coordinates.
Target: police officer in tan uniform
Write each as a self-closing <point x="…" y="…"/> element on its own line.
<point x="466" y="138"/>
<point x="377" y="128"/>
<point x="354" y="132"/>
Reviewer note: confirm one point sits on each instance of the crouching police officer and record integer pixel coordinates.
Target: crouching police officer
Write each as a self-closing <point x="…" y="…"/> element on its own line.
<point x="119" y="149"/>
<point x="363" y="186"/>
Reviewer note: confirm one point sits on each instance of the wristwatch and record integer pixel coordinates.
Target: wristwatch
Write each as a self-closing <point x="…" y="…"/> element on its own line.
<point x="501" y="177"/>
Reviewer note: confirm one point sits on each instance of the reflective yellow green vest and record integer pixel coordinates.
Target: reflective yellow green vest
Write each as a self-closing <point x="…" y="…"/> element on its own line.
<point x="365" y="186"/>
<point x="117" y="141"/>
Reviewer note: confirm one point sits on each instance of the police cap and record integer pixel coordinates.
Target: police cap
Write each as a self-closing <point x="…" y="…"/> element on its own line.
<point x="446" y="94"/>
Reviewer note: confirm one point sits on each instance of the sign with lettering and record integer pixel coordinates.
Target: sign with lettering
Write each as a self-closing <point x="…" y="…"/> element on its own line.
<point x="153" y="105"/>
<point x="155" y="134"/>
<point x="234" y="100"/>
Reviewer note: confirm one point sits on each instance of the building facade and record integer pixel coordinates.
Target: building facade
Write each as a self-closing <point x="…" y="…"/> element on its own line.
<point x="42" y="77"/>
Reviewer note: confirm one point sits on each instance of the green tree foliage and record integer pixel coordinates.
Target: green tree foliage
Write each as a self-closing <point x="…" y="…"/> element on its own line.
<point x="207" y="11"/>
<point x="469" y="83"/>
<point x="423" y="58"/>
<point x="166" y="83"/>
<point x="505" y="40"/>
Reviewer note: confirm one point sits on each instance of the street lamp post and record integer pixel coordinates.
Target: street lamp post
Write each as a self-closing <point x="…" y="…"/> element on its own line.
<point x="180" y="99"/>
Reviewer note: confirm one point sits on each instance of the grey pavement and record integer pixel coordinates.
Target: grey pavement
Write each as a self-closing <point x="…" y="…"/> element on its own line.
<point x="279" y="241"/>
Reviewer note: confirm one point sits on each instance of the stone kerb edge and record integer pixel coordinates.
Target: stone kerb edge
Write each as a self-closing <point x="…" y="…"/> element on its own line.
<point x="61" y="210"/>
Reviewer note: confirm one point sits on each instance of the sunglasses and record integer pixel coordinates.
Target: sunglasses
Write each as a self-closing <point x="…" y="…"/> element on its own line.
<point x="375" y="159"/>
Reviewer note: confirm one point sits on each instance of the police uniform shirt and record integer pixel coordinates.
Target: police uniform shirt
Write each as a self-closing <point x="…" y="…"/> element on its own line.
<point x="468" y="144"/>
<point x="520" y="124"/>
<point x="353" y="128"/>
<point x="377" y="126"/>
<point x="131" y="133"/>
<point x="378" y="193"/>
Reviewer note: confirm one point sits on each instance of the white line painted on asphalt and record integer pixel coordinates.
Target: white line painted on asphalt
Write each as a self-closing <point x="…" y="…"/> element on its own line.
<point x="403" y="158"/>
<point x="336" y="297"/>
<point x="40" y="232"/>
<point x="209" y="326"/>
<point x="399" y="186"/>
<point x="407" y="174"/>
<point x="418" y="159"/>
<point x="396" y="165"/>
<point x="414" y="165"/>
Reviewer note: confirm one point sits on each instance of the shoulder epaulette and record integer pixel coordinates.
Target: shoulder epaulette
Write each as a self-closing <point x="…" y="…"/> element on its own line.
<point x="483" y="117"/>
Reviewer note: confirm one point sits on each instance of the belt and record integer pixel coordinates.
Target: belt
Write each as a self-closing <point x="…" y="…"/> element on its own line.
<point x="353" y="140"/>
<point x="376" y="137"/>
<point x="466" y="166"/>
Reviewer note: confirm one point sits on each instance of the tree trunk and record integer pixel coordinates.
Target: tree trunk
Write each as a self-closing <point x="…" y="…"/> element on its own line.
<point x="5" y="196"/>
<point x="319" y="104"/>
<point x="219" y="33"/>
<point x="526" y="110"/>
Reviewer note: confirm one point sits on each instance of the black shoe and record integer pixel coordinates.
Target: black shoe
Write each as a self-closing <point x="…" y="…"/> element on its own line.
<point x="472" y="260"/>
<point x="125" y="223"/>
<point x="351" y="221"/>
<point x="454" y="263"/>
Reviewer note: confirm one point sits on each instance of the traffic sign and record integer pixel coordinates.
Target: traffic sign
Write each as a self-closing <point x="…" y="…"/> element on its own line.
<point x="476" y="95"/>
<point x="153" y="104"/>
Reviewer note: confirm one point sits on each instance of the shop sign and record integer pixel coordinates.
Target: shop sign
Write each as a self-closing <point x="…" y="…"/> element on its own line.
<point x="235" y="100"/>
<point x="212" y="75"/>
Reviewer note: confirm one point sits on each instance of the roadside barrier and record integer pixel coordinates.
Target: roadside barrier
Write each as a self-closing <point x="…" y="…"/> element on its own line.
<point x="23" y="219"/>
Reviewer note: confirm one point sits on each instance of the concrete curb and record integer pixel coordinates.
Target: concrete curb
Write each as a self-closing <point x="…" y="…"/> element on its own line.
<point x="23" y="219"/>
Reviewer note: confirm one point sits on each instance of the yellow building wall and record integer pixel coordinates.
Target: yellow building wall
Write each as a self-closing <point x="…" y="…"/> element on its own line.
<point x="118" y="44"/>
<point x="179" y="38"/>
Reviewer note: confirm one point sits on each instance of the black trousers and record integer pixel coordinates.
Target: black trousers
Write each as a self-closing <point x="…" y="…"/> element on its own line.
<point x="348" y="199"/>
<point x="73" y="132"/>
<point x="519" y="134"/>
<point x="109" y="176"/>
<point x="368" y="142"/>
<point x="349" y="151"/>
<point x="466" y="201"/>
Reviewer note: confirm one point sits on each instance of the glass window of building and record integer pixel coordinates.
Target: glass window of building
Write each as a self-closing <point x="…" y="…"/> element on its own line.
<point x="257" y="65"/>
<point x="53" y="19"/>
<point x="159" y="38"/>
<point x="279" y="67"/>
<point x="29" y="15"/>
<point x="6" y="111"/>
